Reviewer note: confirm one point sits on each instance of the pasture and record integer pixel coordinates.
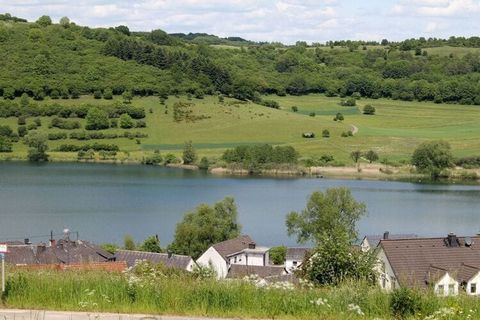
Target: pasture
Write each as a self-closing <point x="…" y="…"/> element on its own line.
<point x="393" y="132"/>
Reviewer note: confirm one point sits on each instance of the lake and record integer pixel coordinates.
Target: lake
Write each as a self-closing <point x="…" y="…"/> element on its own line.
<point x="105" y="202"/>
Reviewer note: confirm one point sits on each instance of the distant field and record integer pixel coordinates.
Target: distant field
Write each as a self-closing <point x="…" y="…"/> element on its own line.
<point x="396" y="129"/>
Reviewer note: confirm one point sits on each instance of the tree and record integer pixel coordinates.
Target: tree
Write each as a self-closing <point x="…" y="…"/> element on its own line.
<point x="126" y="122"/>
<point x="97" y="94"/>
<point x="278" y="255"/>
<point x="65" y="22"/>
<point x="189" y="154"/>
<point x="206" y="226"/>
<point x="5" y="144"/>
<point x="151" y="244"/>
<point x="330" y="212"/>
<point x="326" y="133"/>
<point x="127" y="97"/>
<point x="432" y="157"/>
<point x="38" y="147"/>
<point x="8" y="93"/>
<point x="371" y="156"/>
<point x="44" y="21"/>
<point x="356" y="155"/>
<point x="369" y="109"/>
<point x="204" y="163"/>
<point x="96" y="119"/>
<point x="129" y="243"/>
<point x="339" y="117"/>
<point x="123" y="29"/>
<point x="24" y="100"/>
<point x="107" y="94"/>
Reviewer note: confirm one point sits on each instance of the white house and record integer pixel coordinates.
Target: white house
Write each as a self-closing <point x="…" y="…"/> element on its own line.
<point x="241" y="251"/>
<point x="445" y="265"/>
<point x="295" y="257"/>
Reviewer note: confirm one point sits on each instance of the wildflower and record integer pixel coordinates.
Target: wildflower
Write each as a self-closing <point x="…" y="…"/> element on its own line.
<point x="355" y="309"/>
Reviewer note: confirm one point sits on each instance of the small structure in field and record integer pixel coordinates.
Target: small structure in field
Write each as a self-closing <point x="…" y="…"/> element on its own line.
<point x="308" y="135"/>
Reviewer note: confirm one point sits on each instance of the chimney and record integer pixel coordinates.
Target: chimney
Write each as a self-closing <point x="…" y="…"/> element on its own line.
<point x="170" y="254"/>
<point x="251" y="245"/>
<point x="385" y="235"/>
<point x="52" y="242"/>
<point x="27" y="241"/>
<point x="452" y="240"/>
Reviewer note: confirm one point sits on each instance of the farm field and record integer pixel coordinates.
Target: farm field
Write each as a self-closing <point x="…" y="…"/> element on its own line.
<point x="395" y="130"/>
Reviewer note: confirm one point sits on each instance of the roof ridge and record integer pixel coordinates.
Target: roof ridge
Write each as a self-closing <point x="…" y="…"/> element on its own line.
<point x="163" y="253"/>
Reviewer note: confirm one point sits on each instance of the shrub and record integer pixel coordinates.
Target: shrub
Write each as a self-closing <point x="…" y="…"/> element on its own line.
<point x="141" y="124"/>
<point x="204" y="163"/>
<point x="97" y="119"/>
<point x="38" y="122"/>
<point x="22" y="131"/>
<point x="126" y="121"/>
<point x="278" y="255"/>
<point x="5" y="144"/>
<point x="64" y="124"/>
<point x="326" y="133"/>
<point x="189" y="154"/>
<point x="154" y="159"/>
<point x="371" y="156"/>
<point x="6" y="131"/>
<point x="57" y="136"/>
<point x="271" y="104"/>
<point x="97" y="94"/>
<point x="22" y="120"/>
<point x="405" y="302"/>
<point x="339" y="117"/>
<point x="107" y="94"/>
<point x="312" y="114"/>
<point x="295" y="109"/>
<point x="113" y="123"/>
<point x="369" y="110"/>
<point x="170" y="158"/>
<point x="32" y="126"/>
<point x="351" y="102"/>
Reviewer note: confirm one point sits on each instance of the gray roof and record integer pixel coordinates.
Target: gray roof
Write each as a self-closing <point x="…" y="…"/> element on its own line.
<point x="374" y="240"/>
<point x="228" y="247"/>
<point x="173" y="261"/>
<point x="61" y="252"/>
<point x="297" y="253"/>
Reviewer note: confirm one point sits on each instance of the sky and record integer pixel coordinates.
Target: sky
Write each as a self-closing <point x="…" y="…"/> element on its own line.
<point x="285" y="21"/>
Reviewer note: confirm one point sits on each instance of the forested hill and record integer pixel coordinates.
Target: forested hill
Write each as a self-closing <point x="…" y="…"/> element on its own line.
<point x="42" y="58"/>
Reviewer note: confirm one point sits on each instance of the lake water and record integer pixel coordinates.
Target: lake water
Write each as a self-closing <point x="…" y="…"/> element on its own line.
<point x="105" y="202"/>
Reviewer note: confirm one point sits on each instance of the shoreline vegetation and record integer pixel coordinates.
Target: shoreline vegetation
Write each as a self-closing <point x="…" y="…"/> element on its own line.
<point x="366" y="171"/>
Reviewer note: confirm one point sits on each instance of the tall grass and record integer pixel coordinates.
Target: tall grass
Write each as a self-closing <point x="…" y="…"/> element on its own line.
<point x="180" y="294"/>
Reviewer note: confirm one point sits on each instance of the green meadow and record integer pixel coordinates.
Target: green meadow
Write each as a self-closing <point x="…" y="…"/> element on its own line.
<point x="394" y="131"/>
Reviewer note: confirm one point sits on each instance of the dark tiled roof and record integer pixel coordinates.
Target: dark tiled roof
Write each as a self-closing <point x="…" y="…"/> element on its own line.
<point x="373" y="240"/>
<point x="228" y="247"/>
<point x="174" y="261"/>
<point x="413" y="260"/>
<point x="297" y="253"/>
<point x="240" y="271"/>
<point x="63" y="252"/>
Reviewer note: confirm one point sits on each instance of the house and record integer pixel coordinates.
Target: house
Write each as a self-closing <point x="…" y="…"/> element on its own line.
<point x="295" y="257"/>
<point x="445" y="265"/>
<point x="371" y="241"/>
<point x="168" y="259"/>
<point x="239" y="251"/>
<point x="64" y="251"/>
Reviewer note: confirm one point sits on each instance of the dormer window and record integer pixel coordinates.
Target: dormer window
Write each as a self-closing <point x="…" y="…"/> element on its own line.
<point x="440" y="289"/>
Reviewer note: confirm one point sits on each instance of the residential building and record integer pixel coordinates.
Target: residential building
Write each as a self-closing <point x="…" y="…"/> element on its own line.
<point x="371" y="241"/>
<point x="445" y="265"/>
<point x="295" y="257"/>
<point x="168" y="259"/>
<point x="239" y="251"/>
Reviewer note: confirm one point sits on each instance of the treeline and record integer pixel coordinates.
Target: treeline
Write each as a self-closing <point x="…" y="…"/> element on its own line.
<point x="66" y="60"/>
<point x="261" y="155"/>
<point x="14" y="109"/>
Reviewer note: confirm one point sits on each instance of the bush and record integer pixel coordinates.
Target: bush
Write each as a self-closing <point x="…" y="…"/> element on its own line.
<point x="126" y="121"/>
<point x="278" y="255"/>
<point x="113" y="123"/>
<point x="107" y="94"/>
<point x="6" y="131"/>
<point x="271" y="104"/>
<point x="312" y="114"/>
<point x="86" y="147"/>
<point x="22" y="120"/>
<point x="38" y="122"/>
<point x="22" y="131"/>
<point x="170" y="158"/>
<point x="295" y="109"/>
<point x="326" y="133"/>
<point x="5" y="144"/>
<point x="64" y="124"/>
<point x="32" y="126"/>
<point x="339" y="117"/>
<point x="204" y="163"/>
<point x="57" y="136"/>
<point x="97" y="119"/>
<point x="154" y="159"/>
<point x="141" y="124"/>
<point x="97" y="94"/>
<point x="404" y="303"/>
<point x="351" y="102"/>
<point x="369" y="110"/>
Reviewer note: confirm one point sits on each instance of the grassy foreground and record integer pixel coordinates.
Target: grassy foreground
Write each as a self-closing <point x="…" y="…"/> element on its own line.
<point x="183" y="295"/>
<point x="393" y="132"/>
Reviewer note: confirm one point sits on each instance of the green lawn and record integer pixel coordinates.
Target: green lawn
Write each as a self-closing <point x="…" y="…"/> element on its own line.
<point x="396" y="129"/>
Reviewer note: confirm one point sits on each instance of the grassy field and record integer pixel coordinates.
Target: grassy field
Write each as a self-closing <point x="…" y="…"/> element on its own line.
<point x="393" y="132"/>
<point x="155" y="292"/>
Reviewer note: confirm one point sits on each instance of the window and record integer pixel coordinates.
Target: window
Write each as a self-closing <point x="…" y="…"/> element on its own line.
<point x="392" y="281"/>
<point x="473" y="288"/>
<point x="384" y="282"/>
<point x="440" y="289"/>
<point x="235" y="260"/>
<point x="451" y="288"/>
<point x="294" y="263"/>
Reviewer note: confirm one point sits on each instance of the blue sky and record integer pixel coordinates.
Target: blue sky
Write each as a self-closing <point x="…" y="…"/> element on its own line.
<point x="270" y="20"/>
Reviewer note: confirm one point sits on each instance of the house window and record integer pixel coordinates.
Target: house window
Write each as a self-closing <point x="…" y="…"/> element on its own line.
<point x="440" y="289"/>
<point x="384" y="282"/>
<point x="392" y="280"/>
<point x="294" y="263"/>
<point x="235" y="260"/>
<point x="451" y="288"/>
<point x="473" y="288"/>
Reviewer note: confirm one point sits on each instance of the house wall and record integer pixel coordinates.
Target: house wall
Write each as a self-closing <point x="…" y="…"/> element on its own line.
<point x="190" y="265"/>
<point x="364" y="245"/>
<point x="474" y="280"/>
<point x="253" y="259"/>
<point x="387" y="279"/>
<point x="290" y="266"/>
<point x="446" y="281"/>
<point x="212" y="258"/>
